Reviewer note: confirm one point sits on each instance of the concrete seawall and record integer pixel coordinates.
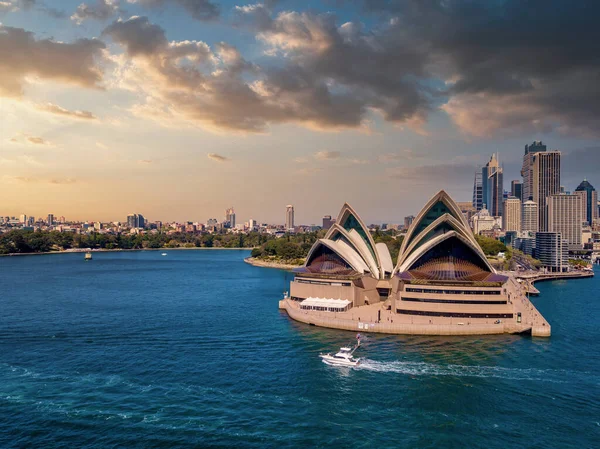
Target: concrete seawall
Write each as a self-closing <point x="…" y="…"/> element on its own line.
<point x="444" y="326"/>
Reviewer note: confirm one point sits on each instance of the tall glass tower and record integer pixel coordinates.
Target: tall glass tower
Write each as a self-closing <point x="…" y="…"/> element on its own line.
<point x="591" y="200"/>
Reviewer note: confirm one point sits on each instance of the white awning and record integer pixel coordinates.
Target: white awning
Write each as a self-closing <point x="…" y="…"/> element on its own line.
<point x="326" y="302"/>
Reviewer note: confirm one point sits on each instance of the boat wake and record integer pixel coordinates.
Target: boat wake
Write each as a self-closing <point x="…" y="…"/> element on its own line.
<point x="429" y="369"/>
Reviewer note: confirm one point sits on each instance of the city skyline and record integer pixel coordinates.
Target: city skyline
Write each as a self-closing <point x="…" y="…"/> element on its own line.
<point x="262" y="109"/>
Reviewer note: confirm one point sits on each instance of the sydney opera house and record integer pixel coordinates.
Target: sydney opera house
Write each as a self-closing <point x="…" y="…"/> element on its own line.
<point x="441" y="283"/>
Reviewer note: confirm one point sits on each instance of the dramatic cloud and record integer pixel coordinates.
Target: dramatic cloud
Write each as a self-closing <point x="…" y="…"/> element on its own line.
<point x="199" y="9"/>
<point x="21" y="55"/>
<point x="101" y="10"/>
<point x="327" y="155"/>
<point x="217" y="157"/>
<point x="505" y="75"/>
<point x="55" y="109"/>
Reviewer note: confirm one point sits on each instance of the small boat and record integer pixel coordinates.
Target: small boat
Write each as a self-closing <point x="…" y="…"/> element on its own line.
<point x="163" y="254"/>
<point x="343" y="357"/>
<point x="88" y="256"/>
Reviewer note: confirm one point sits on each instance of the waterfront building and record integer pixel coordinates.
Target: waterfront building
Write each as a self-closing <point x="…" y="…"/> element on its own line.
<point x="289" y="217"/>
<point x="552" y="251"/>
<point x="590" y="196"/>
<point x="565" y="215"/>
<point x="478" y="190"/>
<point x="327" y="222"/>
<point x="493" y="186"/>
<point x="530" y="219"/>
<point x="50" y="220"/>
<point x="511" y="218"/>
<point x="526" y="171"/>
<point x="516" y="189"/>
<point x="442" y="282"/>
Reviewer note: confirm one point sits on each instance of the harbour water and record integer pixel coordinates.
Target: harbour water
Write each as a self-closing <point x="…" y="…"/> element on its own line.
<point x="136" y="349"/>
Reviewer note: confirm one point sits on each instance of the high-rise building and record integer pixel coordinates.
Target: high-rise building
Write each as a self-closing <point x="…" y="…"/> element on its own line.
<point x="50" y="220"/>
<point x="530" y="217"/>
<point x="511" y="214"/>
<point x="23" y="218"/>
<point x="408" y="221"/>
<point x="493" y="188"/>
<point x="327" y="222"/>
<point x="136" y="221"/>
<point x="478" y="190"/>
<point x="289" y="217"/>
<point x="543" y="180"/>
<point x="516" y="189"/>
<point x="552" y="251"/>
<point x="230" y="217"/>
<point x="565" y="215"/>
<point x="526" y="171"/>
<point x="252" y="225"/>
<point x="590" y="200"/>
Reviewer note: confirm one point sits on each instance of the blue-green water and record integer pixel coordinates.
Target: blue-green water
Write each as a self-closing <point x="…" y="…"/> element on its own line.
<point x="139" y="350"/>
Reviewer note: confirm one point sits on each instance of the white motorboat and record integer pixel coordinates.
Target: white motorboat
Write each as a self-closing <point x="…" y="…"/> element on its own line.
<point x="343" y="357"/>
<point x="163" y="254"/>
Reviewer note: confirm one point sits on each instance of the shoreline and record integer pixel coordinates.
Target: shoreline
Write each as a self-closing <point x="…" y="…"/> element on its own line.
<point x="267" y="264"/>
<point x="104" y="250"/>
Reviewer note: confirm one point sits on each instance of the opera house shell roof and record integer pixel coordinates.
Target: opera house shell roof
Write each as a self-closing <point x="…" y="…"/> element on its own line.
<point x="439" y="247"/>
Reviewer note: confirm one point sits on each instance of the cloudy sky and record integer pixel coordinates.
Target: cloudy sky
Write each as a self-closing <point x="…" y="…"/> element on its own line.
<point x="178" y="109"/>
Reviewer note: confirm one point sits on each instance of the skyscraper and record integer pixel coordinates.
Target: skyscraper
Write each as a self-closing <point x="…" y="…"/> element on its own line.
<point x="591" y="200"/>
<point x="511" y="217"/>
<point x="478" y="190"/>
<point x="23" y="218"/>
<point x="493" y="189"/>
<point x="230" y="217"/>
<point x="526" y="170"/>
<point x="565" y="215"/>
<point x="530" y="218"/>
<point x="289" y="217"/>
<point x="50" y="220"/>
<point x="546" y="181"/>
<point x="516" y="189"/>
